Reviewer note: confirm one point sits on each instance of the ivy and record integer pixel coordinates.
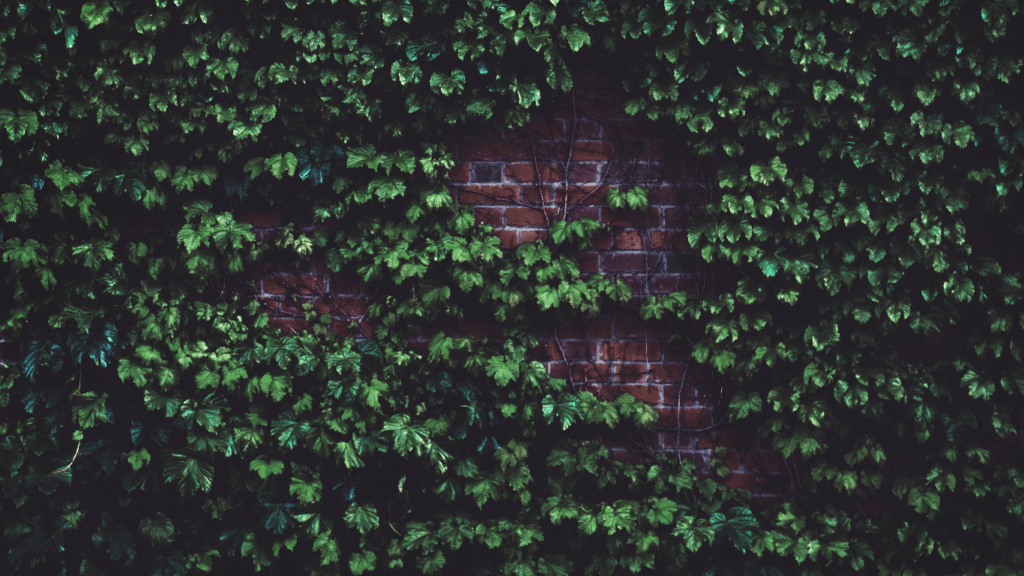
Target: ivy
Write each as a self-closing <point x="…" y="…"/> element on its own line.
<point x="154" y="422"/>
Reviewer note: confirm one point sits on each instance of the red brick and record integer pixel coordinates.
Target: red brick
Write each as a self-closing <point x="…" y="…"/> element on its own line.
<point x="340" y="327"/>
<point x="368" y="328"/>
<point x="597" y="108"/>
<point x="625" y="328"/>
<point x="670" y="240"/>
<point x="587" y="129"/>
<point x="290" y="283"/>
<point x="627" y="456"/>
<point x="584" y="172"/>
<point x="268" y="305"/>
<point x="588" y="372"/>
<point x="583" y="194"/>
<point x="663" y="372"/>
<point x="643" y="392"/>
<point x="586" y="150"/>
<point x="531" y="194"/>
<point x="478" y="328"/>
<point x="679" y="395"/>
<point x="623" y="262"/>
<point x="764" y="462"/>
<point x="343" y="284"/>
<point x="574" y="350"/>
<point x="508" y="238"/>
<point x="553" y="129"/>
<point x="627" y="129"/>
<point x="630" y="218"/>
<point x="490" y="151"/>
<point x="558" y="370"/>
<point x="527" y="172"/>
<point x="667" y="284"/>
<point x="662" y="195"/>
<point x="684" y="417"/>
<point x="492" y="216"/>
<point x="629" y="240"/>
<point x="731" y="460"/>
<point x="674" y="440"/>
<point x="672" y="151"/>
<point x="727" y="437"/>
<point x="631" y="373"/>
<point x="258" y="218"/>
<point x="290" y="325"/>
<point x="588" y="262"/>
<point x="459" y="173"/>
<point x="531" y="235"/>
<point x="291" y="307"/>
<point x="577" y="212"/>
<point x="495" y="194"/>
<point x="603" y="240"/>
<point x="341" y="306"/>
<point x="631" y="351"/>
<point x="320" y="266"/>
<point x="676" y="218"/>
<point x="525" y="217"/>
<point x="586" y="329"/>
<point x="740" y="481"/>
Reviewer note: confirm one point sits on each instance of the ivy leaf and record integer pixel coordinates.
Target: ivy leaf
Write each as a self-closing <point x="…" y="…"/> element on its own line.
<point x="306" y="490"/>
<point x="364" y="155"/>
<point x="739" y="526"/>
<point x="278" y="164"/>
<point x="362" y="517"/>
<point x="90" y="408"/>
<point x="277" y="518"/>
<point x="360" y="562"/>
<point x="191" y="474"/>
<point x="98" y="344"/>
<point x="287" y="430"/>
<point x="159" y="529"/>
<point x="503" y="371"/>
<point x="41" y="353"/>
<point x="95" y="13"/>
<point x="266" y="467"/>
<point x="115" y="540"/>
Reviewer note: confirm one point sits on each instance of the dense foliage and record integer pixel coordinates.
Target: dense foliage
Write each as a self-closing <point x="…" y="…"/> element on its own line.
<point x="154" y="424"/>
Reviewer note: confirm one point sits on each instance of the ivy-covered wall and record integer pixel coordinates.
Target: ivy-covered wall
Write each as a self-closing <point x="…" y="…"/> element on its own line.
<point x="855" y="300"/>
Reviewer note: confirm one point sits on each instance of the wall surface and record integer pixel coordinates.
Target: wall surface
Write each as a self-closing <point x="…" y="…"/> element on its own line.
<point x="561" y="166"/>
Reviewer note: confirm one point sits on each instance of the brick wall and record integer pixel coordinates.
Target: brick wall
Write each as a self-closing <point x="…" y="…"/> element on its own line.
<point x="561" y="166"/>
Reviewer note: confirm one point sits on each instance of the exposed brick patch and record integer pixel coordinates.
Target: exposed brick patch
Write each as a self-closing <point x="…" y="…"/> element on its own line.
<point x="491" y="194"/>
<point x="566" y="164"/>
<point x="258" y="219"/>
<point x="293" y="283"/>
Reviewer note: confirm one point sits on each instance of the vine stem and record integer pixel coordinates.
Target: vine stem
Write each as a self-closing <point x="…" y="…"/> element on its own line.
<point x="78" y="447"/>
<point x="73" y="458"/>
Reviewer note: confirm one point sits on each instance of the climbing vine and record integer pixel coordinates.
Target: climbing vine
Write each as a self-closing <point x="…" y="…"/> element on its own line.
<point x="861" y="217"/>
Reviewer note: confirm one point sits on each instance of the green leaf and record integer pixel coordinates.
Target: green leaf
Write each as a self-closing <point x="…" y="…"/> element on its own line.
<point x="360" y="562"/>
<point x="191" y="474"/>
<point x="90" y="409"/>
<point x="266" y="467"/>
<point x="278" y="164"/>
<point x="363" y="155"/>
<point x="159" y="529"/>
<point x="306" y="490"/>
<point x="95" y="13"/>
<point x="362" y="517"/>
